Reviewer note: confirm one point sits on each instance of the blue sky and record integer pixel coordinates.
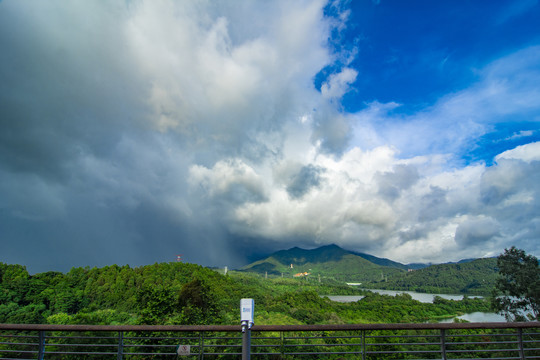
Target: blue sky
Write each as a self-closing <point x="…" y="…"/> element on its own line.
<point x="416" y="53"/>
<point x="134" y="131"/>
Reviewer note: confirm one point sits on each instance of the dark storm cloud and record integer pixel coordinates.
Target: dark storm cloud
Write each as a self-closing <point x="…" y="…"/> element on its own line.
<point x="102" y="117"/>
<point x="301" y="183"/>
<point x="417" y="232"/>
<point x="476" y="232"/>
<point x="61" y="94"/>
<point x="391" y="183"/>
<point x="433" y="204"/>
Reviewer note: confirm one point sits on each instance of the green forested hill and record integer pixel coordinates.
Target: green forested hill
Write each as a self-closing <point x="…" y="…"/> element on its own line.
<point x="329" y="261"/>
<point x="473" y="277"/>
<point x="466" y="277"/>
<point x="185" y="293"/>
<point x="178" y="293"/>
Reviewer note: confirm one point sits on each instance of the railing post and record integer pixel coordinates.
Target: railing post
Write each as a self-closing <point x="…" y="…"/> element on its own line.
<point x="443" y="344"/>
<point x="201" y="345"/>
<point x="41" y="350"/>
<point x="120" y="345"/>
<point x="363" y="344"/>
<point x="282" y="347"/>
<point x="520" y="344"/>
<point x="246" y="342"/>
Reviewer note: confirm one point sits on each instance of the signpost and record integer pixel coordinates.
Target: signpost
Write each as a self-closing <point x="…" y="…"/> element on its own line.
<point x="183" y="350"/>
<point x="247" y="309"/>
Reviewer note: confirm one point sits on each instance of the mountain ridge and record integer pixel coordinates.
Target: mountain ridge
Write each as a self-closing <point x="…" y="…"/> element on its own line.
<point x="328" y="261"/>
<point x="331" y="261"/>
<point x="372" y="258"/>
<point x="333" y="247"/>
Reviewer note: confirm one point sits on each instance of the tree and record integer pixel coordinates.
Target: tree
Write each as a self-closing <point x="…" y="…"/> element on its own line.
<point x="517" y="289"/>
<point x="156" y="304"/>
<point x="198" y="302"/>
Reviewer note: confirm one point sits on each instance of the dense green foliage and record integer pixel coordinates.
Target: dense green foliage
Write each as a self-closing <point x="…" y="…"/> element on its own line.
<point x="308" y="307"/>
<point x="517" y="290"/>
<point x="177" y="293"/>
<point x="476" y="277"/>
<point x="114" y="294"/>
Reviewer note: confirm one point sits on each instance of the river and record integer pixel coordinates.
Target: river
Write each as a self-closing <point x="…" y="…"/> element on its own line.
<point x="477" y="317"/>
<point x="427" y="298"/>
<point x="422" y="297"/>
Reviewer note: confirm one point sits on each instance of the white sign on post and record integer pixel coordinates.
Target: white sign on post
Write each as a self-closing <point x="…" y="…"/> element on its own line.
<point x="247" y="310"/>
<point x="183" y="350"/>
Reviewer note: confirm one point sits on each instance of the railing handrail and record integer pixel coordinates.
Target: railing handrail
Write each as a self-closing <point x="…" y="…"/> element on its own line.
<point x="263" y="328"/>
<point x="510" y="340"/>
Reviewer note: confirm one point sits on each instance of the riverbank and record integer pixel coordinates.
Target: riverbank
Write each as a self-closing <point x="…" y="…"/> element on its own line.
<point x="422" y="297"/>
<point x="458" y="307"/>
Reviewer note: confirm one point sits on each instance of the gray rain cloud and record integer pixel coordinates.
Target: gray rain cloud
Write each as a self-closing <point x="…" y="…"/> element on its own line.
<point x="305" y="179"/>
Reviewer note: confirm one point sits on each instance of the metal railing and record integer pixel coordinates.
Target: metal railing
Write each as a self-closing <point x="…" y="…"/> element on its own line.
<point x="358" y="341"/>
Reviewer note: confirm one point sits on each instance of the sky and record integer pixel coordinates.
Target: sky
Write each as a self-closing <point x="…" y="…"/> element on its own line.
<point x="132" y="131"/>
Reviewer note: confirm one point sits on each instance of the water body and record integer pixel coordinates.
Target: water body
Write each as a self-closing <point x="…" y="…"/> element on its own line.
<point x="478" y="317"/>
<point x="344" y="298"/>
<point x="422" y="297"/>
<point x="428" y="298"/>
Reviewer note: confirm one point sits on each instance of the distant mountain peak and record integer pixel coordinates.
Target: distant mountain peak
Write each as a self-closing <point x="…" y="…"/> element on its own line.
<point x="330" y="246"/>
<point x="335" y="263"/>
<point x="328" y="260"/>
